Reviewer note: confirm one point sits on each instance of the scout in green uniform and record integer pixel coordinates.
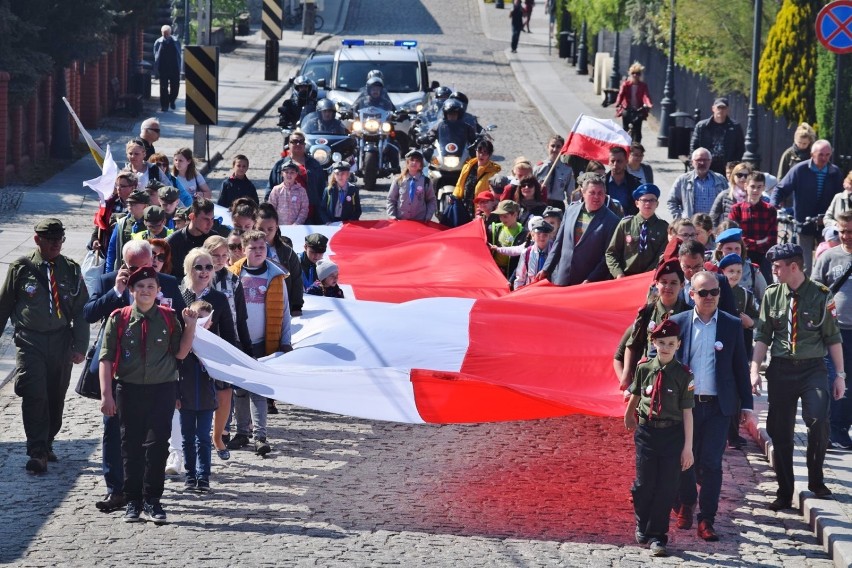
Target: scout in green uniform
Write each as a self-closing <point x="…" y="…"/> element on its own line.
<point x="640" y="239"/>
<point x="140" y="350"/>
<point x="662" y="395"/>
<point x="155" y="224"/>
<point x="797" y="318"/>
<point x="44" y="296"/>
<point x="665" y="301"/>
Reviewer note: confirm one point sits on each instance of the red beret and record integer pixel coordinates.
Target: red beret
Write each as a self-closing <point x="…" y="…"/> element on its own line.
<point x="666" y="329"/>
<point x="669" y="267"/>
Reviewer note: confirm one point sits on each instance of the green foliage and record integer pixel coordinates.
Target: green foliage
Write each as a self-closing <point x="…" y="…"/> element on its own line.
<point x="25" y="64"/>
<point x="788" y="63"/>
<point x="130" y="14"/>
<point x="599" y="14"/>
<point x="715" y="43"/>
<point x="229" y="8"/>
<point x="642" y="15"/>
<point x="824" y="92"/>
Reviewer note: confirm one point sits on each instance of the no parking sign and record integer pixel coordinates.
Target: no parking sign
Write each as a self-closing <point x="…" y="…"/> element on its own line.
<point x="834" y="26"/>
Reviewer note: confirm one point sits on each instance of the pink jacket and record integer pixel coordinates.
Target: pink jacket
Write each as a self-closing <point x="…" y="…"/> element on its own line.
<point x="291" y="203"/>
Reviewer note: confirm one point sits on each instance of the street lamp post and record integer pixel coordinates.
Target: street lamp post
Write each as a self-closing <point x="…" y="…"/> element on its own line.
<point x="615" y="76"/>
<point x="668" y="104"/>
<point x="751" y="154"/>
<point x="583" y="53"/>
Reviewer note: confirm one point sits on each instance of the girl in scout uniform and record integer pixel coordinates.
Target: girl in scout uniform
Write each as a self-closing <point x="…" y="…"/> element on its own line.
<point x="141" y="347"/>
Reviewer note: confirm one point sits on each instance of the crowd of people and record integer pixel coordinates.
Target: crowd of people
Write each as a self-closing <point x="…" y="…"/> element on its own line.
<point x="725" y="292"/>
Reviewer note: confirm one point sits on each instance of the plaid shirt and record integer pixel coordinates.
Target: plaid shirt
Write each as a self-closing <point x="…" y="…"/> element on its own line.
<point x="757" y="221"/>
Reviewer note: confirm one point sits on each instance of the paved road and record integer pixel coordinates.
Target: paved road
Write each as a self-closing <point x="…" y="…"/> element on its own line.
<point x="343" y="492"/>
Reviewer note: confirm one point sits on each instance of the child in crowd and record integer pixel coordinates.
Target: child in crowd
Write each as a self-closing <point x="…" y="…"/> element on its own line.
<point x="181" y="218"/>
<point x="238" y="184"/>
<point x="532" y="255"/>
<point x="758" y="221"/>
<point x="831" y="239"/>
<point x="340" y="200"/>
<point x="731" y="266"/>
<point x="484" y="204"/>
<point x="507" y="233"/>
<point x="326" y="284"/>
<point x="553" y="216"/>
<point x="703" y="224"/>
<point x="662" y="396"/>
<point x="198" y="401"/>
<point x="315" y="247"/>
<point x="289" y="198"/>
<point x="411" y="196"/>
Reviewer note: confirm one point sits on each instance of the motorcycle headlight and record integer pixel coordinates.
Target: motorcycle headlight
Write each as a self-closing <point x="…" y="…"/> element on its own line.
<point x="320" y="155"/>
<point x="451" y="161"/>
<point x="357" y="126"/>
<point x="337" y="156"/>
<point x="386" y="127"/>
<point x="371" y="125"/>
<point x="419" y="108"/>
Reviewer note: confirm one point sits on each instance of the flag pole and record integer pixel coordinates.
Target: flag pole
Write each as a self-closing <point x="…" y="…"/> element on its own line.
<point x="96" y="151"/>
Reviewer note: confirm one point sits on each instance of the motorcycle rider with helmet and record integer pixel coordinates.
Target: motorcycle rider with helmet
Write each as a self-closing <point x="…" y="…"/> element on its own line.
<point x="323" y="121"/>
<point x="452" y="127"/>
<point x="466" y="116"/>
<point x="374" y="95"/>
<point x="302" y="102"/>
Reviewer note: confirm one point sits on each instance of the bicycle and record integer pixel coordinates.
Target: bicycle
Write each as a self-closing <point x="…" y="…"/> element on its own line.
<point x="294" y="19"/>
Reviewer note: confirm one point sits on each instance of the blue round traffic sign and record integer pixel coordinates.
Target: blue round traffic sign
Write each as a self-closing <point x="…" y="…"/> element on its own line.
<point x="834" y="26"/>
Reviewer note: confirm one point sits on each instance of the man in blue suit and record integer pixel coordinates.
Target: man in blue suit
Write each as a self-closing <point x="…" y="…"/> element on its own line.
<point x="579" y="251"/>
<point x="112" y="294"/>
<point x="713" y="348"/>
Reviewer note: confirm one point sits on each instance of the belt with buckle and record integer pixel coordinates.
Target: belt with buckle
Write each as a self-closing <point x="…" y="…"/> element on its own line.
<point x="797" y="362"/>
<point x="657" y="423"/>
<point x="705" y="398"/>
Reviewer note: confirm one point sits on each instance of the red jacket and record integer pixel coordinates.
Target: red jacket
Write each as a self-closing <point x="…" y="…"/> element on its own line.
<point x="623" y="99"/>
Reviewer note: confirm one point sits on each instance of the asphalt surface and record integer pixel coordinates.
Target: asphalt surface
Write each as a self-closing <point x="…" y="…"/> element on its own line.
<point x="342" y="492"/>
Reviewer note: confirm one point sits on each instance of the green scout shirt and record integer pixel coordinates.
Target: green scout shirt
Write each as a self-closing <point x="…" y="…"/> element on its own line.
<point x="144" y="236"/>
<point x="678" y="389"/>
<point x="148" y="364"/>
<point x="27" y="302"/>
<point x="817" y="323"/>
<point x="623" y="256"/>
<point x="659" y="310"/>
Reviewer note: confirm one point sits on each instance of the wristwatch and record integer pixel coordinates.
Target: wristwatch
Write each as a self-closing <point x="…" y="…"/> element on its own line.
<point x="841" y="374"/>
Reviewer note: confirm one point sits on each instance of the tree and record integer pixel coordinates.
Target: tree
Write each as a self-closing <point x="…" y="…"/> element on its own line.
<point x="599" y="14"/>
<point x="826" y="77"/>
<point x="789" y="61"/>
<point x="19" y="57"/>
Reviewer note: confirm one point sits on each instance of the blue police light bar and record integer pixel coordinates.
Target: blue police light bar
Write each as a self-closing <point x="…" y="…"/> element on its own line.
<point x="409" y="43"/>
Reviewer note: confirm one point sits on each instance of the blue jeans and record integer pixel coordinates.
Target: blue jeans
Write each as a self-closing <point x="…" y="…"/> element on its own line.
<point x="841" y="410"/>
<point x="710" y="434"/>
<point x="195" y="425"/>
<point x="111" y="462"/>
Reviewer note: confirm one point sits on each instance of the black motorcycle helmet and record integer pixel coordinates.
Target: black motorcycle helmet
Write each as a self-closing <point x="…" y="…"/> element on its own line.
<point x="453" y="105"/>
<point x="442" y="93"/>
<point x="375" y="73"/>
<point x="326" y="104"/>
<point x="462" y="98"/>
<point x="303" y="89"/>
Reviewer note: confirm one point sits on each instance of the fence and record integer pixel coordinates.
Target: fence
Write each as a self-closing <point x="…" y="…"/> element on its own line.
<point x="692" y="91"/>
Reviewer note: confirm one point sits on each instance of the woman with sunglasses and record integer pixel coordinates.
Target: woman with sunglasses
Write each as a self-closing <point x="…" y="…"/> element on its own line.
<point x="162" y="256"/>
<point x="235" y="248"/>
<point x="633" y="102"/>
<point x="231" y="287"/>
<point x="736" y="193"/>
<point x="529" y="195"/>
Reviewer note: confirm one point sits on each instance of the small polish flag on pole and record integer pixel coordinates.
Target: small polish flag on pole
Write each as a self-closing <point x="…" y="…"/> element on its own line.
<point x="591" y="138"/>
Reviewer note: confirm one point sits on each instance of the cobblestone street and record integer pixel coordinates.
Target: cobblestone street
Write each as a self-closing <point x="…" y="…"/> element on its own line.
<point x="342" y="492"/>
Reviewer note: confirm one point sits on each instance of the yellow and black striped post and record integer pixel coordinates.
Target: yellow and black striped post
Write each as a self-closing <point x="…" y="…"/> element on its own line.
<point x="273" y="15"/>
<point x="201" y="67"/>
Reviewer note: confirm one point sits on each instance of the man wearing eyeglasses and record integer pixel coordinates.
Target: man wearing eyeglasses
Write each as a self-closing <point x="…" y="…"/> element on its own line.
<point x="798" y="319"/>
<point x="149" y="132"/>
<point x="713" y="348"/>
<point x="43" y="295"/>
<point x="112" y="294"/>
<point x="311" y="176"/>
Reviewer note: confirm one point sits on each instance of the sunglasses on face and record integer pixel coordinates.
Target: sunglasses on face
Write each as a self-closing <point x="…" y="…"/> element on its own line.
<point x="153" y="129"/>
<point x="296" y="141"/>
<point x="741" y="174"/>
<point x="202" y="268"/>
<point x="160" y="257"/>
<point x="704" y="293"/>
<point x="235" y="246"/>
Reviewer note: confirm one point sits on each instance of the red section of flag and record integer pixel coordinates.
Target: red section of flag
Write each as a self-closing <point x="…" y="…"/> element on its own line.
<point x="383" y="263"/>
<point x="591" y="138"/>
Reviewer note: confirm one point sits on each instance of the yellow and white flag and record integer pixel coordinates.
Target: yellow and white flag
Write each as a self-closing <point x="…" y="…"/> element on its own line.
<point x="96" y="151"/>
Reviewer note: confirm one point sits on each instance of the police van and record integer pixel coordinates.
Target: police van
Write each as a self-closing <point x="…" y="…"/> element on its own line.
<point x="403" y="65"/>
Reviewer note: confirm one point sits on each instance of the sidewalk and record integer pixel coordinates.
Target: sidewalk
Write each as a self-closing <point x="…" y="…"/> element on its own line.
<point x="561" y="95"/>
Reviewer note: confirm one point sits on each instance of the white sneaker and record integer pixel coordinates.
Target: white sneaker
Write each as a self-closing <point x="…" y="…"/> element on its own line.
<point x="174" y="465"/>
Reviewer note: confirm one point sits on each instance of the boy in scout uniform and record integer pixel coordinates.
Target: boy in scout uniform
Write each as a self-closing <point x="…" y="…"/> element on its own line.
<point x="798" y="319"/>
<point x="662" y="393"/>
<point x="640" y="239"/>
<point x="142" y="343"/>
<point x="44" y="296"/>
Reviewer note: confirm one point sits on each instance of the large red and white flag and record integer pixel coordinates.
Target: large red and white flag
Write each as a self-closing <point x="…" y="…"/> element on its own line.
<point x="439" y="338"/>
<point x="591" y="138"/>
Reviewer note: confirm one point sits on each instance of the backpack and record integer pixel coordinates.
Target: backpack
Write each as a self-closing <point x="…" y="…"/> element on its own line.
<point x="124" y="321"/>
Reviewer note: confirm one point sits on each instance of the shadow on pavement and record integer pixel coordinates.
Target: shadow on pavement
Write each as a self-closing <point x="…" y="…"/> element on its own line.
<point x="29" y="501"/>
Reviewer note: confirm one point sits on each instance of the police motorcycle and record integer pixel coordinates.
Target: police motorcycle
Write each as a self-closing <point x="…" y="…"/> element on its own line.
<point x="376" y="150"/>
<point x="447" y="153"/>
<point x="302" y="102"/>
<point x="327" y="141"/>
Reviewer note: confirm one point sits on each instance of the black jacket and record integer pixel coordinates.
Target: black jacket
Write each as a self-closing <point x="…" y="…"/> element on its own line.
<point x="733" y="145"/>
<point x="104" y="300"/>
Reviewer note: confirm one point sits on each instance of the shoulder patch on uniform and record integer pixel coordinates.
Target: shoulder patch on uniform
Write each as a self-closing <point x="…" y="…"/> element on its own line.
<point x="691" y="385"/>
<point x="821" y="286"/>
<point x="772" y="286"/>
<point x="831" y="307"/>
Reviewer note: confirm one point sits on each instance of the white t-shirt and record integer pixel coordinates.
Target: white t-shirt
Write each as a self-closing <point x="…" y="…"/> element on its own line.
<point x="191" y="185"/>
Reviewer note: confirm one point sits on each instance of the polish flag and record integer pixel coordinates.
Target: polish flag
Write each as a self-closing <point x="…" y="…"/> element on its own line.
<point x="591" y="138"/>
<point x="541" y="353"/>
